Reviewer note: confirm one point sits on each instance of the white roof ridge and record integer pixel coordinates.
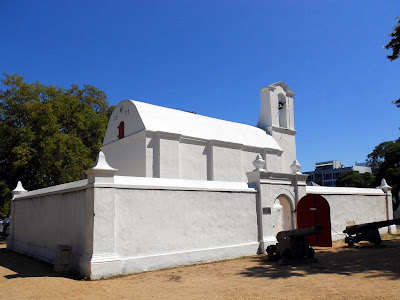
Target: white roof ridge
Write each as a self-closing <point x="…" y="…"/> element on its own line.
<point x="191" y="113"/>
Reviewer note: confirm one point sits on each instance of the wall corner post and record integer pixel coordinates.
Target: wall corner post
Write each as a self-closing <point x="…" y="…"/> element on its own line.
<point x="15" y="193"/>
<point x="100" y="258"/>
<point x="389" y="205"/>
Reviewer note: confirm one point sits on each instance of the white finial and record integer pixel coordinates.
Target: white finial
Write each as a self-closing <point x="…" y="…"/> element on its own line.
<point x="101" y="169"/>
<point x="295" y="167"/>
<point x="259" y="163"/>
<point x="384" y="186"/>
<point x="19" y="189"/>
<point x="101" y="163"/>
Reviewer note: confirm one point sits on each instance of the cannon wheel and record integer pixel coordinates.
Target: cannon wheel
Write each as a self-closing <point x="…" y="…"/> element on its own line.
<point x="271" y="250"/>
<point x="310" y="253"/>
<point x="377" y="241"/>
<point x="286" y="254"/>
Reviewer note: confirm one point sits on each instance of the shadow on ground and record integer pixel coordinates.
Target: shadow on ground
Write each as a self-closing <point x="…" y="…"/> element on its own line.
<point x="374" y="261"/>
<point x="25" y="266"/>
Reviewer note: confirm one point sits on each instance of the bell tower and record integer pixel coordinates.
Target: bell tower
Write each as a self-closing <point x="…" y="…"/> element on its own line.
<point x="276" y="107"/>
<point x="277" y="119"/>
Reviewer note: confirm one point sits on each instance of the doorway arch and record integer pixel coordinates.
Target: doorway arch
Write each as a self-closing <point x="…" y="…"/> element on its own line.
<point x="312" y="210"/>
<point x="282" y="212"/>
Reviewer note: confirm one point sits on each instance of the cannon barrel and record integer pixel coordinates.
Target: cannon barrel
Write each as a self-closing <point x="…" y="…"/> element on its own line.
<point x="354" y="229"/>
<point x="299" y="233"/>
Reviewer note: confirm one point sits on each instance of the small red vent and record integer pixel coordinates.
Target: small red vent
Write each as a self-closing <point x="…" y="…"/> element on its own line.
<point x="121" y="130"/>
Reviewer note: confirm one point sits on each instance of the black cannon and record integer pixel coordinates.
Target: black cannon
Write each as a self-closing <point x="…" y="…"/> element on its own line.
<point x="367" y="232"/>
<point x="293" y="244"/>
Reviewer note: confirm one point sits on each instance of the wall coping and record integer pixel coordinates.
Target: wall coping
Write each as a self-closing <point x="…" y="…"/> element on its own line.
<point x="57" y="189"/>
<point x="143" y="183"/>
<point x="180" y="184"/>
<point x="149" y="183"/>
<point x="327" y="190"/>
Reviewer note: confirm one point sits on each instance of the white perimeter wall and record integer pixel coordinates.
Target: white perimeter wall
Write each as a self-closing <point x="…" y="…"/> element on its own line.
<point x="42" y="222"/>
<point x="351" y="206"/>
<point x="163" y="228"/>
<point x="157" y="223"/>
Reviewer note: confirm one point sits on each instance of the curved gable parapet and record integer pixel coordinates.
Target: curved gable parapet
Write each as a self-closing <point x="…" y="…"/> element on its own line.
<point x="125" y="114"/>
<point x="161" y="119"/>
<point x="284" y="87"/>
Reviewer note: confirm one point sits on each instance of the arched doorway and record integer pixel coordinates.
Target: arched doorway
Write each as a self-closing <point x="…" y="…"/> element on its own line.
<point x="282" y="212"/>
<point x="312" y="210"/>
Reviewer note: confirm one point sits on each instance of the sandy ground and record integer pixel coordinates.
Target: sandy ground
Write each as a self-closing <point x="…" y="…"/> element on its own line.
<point x="341" y="273"/>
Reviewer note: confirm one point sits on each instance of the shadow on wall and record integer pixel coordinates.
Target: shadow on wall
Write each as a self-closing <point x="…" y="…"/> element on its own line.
<point x="380" y="262"/>
<point x="25" y="266"/>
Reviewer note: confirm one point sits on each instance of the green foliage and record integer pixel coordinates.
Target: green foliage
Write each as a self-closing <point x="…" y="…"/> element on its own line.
<point x="50" y="135"/>
<point x="355" y="179"/>
<point x="385" y="159"/>
<point x="394" y="43"/>
<point x="5" y="196"/>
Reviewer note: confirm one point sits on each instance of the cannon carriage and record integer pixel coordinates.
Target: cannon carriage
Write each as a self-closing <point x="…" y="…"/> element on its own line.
<point x="367" y="232"/>
<point x="293" y="244"/>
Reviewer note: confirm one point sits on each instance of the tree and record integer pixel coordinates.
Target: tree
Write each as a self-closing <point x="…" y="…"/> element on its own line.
<point x="355" y="179"/>
<point x="394" y="45"/>
<point x="385" y="159"/>
<point x="50" y="135"/>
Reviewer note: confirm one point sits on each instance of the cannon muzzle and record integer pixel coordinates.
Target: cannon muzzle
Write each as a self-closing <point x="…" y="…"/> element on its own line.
<point x="299" y="233"/>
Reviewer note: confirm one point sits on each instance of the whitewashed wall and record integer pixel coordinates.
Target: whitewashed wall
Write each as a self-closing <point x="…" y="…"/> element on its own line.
<point x="128" y="155"/>
<point x="165" y="228"/>
<point x="134" y="224"/>
<point x="286" y="140"/>
<point x="351" y="206"/>
<point x="147" y="154"/>
<point x="120" y="224"/>
<point x="193" y="159"/>
<point x="47" y="218"/>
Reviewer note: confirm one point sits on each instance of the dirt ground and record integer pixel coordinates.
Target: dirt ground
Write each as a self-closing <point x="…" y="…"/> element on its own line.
<point x="341" y="273"/>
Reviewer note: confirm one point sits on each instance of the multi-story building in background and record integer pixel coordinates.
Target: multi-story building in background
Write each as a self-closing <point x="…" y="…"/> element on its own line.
<point x="327" y="172"/>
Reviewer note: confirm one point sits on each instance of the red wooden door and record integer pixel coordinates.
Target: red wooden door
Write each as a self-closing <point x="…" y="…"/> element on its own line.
<point x="312" y="210"/>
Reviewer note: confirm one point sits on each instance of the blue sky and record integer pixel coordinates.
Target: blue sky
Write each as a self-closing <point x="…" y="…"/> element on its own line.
<point x="213" y="57"/>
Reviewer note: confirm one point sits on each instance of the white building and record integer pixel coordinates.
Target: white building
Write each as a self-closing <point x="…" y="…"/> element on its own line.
<point x="178" y="188"/>
<point x="327" y="172"/>
<point x="152" y="141"/>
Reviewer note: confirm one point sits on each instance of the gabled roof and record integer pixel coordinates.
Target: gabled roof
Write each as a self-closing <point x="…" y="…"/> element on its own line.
<point x="157" y="118"/>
